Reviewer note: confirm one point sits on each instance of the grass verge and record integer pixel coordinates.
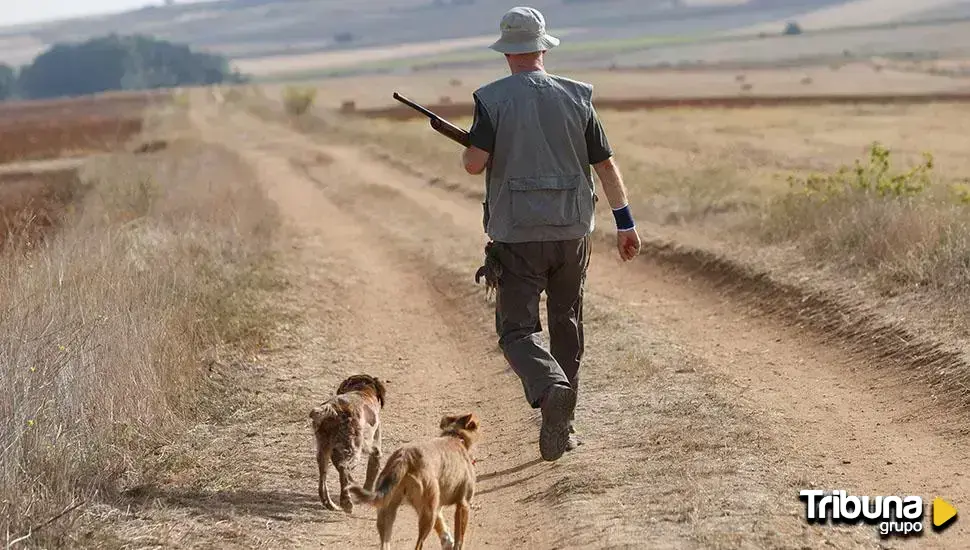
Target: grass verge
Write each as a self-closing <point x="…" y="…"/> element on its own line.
<point x="109" y="323"/>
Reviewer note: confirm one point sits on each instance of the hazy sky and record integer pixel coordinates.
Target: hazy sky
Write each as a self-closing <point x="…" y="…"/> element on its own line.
<point x="23" y="11"/>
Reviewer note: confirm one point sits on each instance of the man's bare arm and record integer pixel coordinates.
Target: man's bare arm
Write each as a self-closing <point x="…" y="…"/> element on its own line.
<point x="612" y="181"/>
<point x="474" y="160"/>
<point x="627" y="239"/>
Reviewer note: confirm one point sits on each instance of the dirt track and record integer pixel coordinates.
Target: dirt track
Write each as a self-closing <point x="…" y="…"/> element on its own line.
<point x="702" y="419"/>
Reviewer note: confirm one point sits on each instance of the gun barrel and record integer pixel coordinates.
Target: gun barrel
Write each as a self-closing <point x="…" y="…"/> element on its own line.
<point x="414" y="106"/>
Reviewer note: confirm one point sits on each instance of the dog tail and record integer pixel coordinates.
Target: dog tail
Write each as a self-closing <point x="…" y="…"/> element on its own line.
<point x="390" y="478"/>
<point x="322" y="414"/>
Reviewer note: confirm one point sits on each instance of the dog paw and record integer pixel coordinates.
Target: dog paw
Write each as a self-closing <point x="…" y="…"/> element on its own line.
<point x="347" y="505"/>
<point x="329" y="505"/>
<point x="447" y="543"/>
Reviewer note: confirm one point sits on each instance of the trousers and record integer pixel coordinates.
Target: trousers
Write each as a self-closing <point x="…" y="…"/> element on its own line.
<point x="528" y="269"/>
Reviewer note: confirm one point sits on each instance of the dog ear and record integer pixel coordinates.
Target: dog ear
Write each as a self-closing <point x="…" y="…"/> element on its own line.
<point x="381" y="390"/>
<point x="447" y="420"/>
<point x="467" y="421"/>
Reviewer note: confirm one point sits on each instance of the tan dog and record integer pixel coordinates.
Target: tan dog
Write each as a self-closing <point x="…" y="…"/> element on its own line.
<point x="345" y="426"/>
<point x="430" y="475"/>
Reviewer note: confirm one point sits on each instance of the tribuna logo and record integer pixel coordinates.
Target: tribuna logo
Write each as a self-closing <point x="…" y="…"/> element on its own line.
<point x="894" y="515"/>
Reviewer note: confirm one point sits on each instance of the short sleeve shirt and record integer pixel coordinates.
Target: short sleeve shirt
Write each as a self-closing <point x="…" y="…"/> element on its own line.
<point x="482" y="135"/>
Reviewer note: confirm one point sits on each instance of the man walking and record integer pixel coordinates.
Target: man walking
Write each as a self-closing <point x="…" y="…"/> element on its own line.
<point x="536" y="135"/>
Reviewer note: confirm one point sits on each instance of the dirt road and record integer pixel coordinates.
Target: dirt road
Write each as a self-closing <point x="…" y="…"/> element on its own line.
<point x="702" y="418"/>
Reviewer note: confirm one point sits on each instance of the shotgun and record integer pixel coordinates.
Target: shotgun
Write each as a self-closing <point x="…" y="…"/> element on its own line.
<point x="441" y="125"/>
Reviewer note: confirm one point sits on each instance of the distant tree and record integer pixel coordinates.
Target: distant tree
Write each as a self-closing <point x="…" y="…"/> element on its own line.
<point x="8" y="82"/>
<point x="793" y="28"/>
<point x="120" y="63"/>
<point x="343" y="37"/>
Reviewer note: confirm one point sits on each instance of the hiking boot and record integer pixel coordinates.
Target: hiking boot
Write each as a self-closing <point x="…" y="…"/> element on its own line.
<point x="557" y="408"/>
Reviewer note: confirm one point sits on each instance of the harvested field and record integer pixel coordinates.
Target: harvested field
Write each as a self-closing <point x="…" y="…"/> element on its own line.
<point x="855" y="78"/>
<point x="37" y="130"/>
<point x="857" y="13"/>
<point x="64" y="137"/>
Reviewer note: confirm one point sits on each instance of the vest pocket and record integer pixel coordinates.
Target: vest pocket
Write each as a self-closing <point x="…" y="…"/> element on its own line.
<point x="549" y="200"/>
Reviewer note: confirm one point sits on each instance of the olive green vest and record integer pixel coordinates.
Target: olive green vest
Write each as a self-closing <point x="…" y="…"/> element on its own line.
<point x="539" y="185"/>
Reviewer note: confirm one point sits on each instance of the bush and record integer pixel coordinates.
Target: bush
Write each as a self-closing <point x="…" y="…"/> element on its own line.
<point x="792" y="28"/>
<point x="8" y="82"/>
<point x="894" y="226"/>
<point x="297" y="101"/>
<point x="874" y="177"/>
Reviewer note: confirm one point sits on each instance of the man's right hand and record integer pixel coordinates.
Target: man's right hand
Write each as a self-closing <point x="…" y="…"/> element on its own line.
<point x="628" y="244"/>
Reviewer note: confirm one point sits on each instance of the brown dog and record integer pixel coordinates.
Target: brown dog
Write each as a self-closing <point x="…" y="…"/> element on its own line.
<point x="430" y="475"/>
<point x="345" y="426"/>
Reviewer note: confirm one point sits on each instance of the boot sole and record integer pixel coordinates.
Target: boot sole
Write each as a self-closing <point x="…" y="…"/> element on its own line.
<point x="556" y="411"/>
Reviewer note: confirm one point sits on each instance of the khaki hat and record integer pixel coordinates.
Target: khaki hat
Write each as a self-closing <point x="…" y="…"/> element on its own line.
<point x="523" y="31"/>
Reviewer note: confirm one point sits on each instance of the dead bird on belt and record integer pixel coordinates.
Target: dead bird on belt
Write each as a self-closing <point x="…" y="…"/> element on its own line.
<point x="491" y="271"/>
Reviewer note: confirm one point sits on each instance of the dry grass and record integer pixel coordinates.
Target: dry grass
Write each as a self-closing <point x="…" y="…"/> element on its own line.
<point x="891" y="223"/>
<point x="727" y="172"/>
<point x="297" y="101"/>
<point x="109" y="323"/>
<point x="31" y="204"/>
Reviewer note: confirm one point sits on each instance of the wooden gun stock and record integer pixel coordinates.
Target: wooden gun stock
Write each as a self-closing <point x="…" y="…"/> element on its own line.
<point x="439" y="124"/>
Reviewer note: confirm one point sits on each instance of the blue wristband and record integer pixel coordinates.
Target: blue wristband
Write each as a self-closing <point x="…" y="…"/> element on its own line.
<point x="623" y="217"/>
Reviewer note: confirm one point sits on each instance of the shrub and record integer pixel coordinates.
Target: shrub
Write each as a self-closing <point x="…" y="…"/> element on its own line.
<point x="892" y="225"/>
<point x="792" y="28"/>
<point x="181" y="98"/>
<point x="298" y="100"/>
<point x="874" y="177"/>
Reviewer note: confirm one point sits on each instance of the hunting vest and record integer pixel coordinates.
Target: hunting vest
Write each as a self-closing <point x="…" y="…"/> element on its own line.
<point x="538" y="185"/>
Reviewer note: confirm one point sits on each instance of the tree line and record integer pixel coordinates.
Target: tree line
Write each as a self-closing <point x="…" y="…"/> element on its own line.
<point x="112" y="63"/>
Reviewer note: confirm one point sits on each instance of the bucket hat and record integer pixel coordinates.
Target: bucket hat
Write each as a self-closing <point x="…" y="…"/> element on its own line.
<point x="523" y="31"/>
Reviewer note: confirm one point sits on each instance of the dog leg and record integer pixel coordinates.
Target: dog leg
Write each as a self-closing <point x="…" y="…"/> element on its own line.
<point x="425" y="522"/>
<point x="346" y="480"/>
<point x="385" y="522"/>
<point x="440" y="527"/>
<point x="323" y="460"/>
<point x="374" y="462"/>
<point x="461" y="523"/>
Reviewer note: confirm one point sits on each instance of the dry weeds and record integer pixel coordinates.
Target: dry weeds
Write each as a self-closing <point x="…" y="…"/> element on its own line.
<point x="33" y="203"/>
<point x="109" y="324"/>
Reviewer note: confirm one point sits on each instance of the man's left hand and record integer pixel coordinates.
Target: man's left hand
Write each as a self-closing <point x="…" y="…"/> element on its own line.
<point x="628" y="244"/>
